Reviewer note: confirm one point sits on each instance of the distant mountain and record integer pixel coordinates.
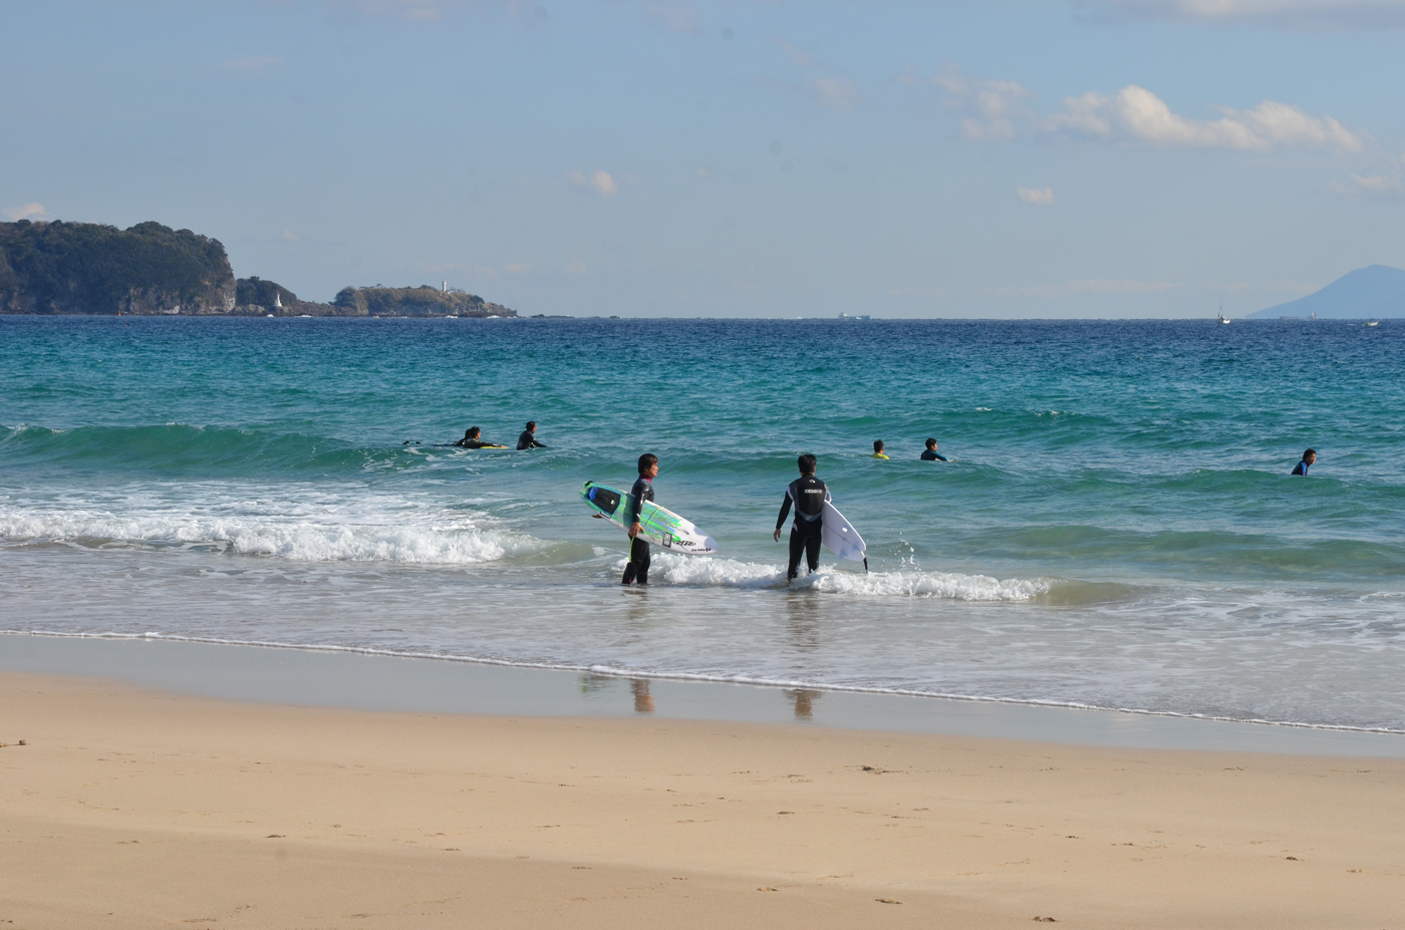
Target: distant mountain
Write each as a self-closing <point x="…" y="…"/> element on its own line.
<point x="1373" y="291"/>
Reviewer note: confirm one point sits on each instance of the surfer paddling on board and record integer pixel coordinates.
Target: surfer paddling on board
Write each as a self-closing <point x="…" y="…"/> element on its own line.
<point x="808" y="494"/>
<point x="637" y="571"/>
<point x="528" y="439"/>
<point x="472" y="439"/>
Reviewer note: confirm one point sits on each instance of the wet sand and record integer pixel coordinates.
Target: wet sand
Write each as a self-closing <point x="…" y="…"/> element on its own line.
<point x="135" y="807"/>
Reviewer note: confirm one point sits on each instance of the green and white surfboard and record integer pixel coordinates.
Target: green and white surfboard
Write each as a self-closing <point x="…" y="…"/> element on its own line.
<point x="658" y="525"/>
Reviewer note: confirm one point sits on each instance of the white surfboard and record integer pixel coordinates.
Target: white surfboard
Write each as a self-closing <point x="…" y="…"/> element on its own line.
<point x="839" y="537"/>
<point x="658" y="525"/>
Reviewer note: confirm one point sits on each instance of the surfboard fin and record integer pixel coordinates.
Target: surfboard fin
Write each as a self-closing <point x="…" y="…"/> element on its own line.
<point x="865" y="565"/>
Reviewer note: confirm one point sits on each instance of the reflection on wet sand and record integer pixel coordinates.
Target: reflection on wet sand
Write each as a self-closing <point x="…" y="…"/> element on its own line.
<point x="804" y="700"/>
<point x="802" y="621"/>
<point x="643" y="700"/>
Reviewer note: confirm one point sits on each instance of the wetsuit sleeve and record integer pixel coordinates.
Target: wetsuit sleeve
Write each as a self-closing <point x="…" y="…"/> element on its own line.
<point x="940" y="458"/>
<point x="785" y="510"/>
<point x="636" y="501"/>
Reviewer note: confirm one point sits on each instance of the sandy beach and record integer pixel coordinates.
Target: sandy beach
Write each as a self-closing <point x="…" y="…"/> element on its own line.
<point x="135" y="807"/>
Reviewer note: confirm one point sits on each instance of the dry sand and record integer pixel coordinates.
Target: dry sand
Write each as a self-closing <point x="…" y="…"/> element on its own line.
<point x="130" y="807"/>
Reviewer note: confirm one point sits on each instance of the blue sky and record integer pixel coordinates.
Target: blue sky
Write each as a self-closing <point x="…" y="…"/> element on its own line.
<point x="1009" y="158"/>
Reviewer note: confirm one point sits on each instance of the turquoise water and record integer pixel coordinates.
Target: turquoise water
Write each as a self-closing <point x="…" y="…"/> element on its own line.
<point x="1118" y="528"/>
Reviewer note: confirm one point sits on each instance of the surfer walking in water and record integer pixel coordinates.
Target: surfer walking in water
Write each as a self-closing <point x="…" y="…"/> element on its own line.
<point x="637" y="570"/>
<point x="808" y="494"/>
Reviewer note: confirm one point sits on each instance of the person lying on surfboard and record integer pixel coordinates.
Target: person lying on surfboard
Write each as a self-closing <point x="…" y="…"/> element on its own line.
<point x="636" y="571"/>
<point x="471" y="440"/>
<point x="809" y="494"/>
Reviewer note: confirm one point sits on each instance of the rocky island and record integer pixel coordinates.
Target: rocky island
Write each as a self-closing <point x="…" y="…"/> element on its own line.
<point x="90" y="268"/>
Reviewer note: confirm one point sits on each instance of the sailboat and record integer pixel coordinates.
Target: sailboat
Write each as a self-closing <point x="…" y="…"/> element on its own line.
<point x="1222" y="317"/>
<point x="1371" y="323"/>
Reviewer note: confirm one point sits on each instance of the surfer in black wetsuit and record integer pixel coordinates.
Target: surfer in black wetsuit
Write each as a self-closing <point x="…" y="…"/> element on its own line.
<point x="808" y="494"/>
<point x="929" y="454"/>
<point x="471" y="440"/>
<point x="1309" y="459"/>
<point x="528" y="439"/>
<point x="637" y="571"/>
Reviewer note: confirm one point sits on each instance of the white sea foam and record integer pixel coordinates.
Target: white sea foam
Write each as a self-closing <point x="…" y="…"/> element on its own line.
<point x="298" y="531"/>
<point x="703" y="572"/>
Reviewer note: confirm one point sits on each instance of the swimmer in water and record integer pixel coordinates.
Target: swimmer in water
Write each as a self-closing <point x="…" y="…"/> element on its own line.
<point x="878" y="452"/>
<point x="528" y="439"/>
<point x="471" y="440"/>
<point x="809" y="494"/>
<point x="1309" y="459"/>
<point x="929" y="454"/>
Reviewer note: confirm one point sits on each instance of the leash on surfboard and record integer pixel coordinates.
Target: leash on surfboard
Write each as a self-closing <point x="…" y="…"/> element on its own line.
<point x="865" y="565"/>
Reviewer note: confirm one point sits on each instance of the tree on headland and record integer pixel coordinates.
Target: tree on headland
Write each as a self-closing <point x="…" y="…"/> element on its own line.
<point x="63" y="267"/>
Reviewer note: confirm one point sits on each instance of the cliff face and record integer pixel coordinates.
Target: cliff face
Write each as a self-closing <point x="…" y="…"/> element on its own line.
<point x="89" y="268"/>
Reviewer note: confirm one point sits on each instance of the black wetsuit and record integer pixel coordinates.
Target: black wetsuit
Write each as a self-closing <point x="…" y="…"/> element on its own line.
<point x="637" y="571"/>
<point x="1301" y="468"/>
<point x="929" y="455"/>
<point x="808" y="494"/>
<point x="528" y="441"/>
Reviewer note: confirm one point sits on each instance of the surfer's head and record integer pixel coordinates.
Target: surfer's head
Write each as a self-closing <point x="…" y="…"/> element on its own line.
<point x="932" y="444"/>
<point x="471" y="433"/>
<point x="531" y="426"/>
<point x="877" y="446"/>
<point x="807" y="463"/>
<point x="1310" y="456"/>
<point x="648" y="465"/>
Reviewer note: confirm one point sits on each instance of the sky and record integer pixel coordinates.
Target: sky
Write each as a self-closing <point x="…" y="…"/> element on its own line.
<point x="995" y="159"/>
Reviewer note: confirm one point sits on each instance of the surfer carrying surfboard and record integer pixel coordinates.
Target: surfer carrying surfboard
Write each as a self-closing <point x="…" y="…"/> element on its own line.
<point x="637" y="569"/>
<point x="809" y="496"/>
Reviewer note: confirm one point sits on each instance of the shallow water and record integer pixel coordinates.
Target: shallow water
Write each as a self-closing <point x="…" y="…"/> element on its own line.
<point x="1118" y="529"/>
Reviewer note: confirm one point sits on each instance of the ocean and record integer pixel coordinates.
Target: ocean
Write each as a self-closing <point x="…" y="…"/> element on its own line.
<point x="1117" y="528"/>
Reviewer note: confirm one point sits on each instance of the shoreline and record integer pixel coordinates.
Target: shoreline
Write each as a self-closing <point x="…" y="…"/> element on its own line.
<point x="130" y="807"/>
<point x="330" y="676"/>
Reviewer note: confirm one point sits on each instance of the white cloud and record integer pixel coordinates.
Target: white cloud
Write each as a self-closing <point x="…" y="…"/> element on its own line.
<point x="517" y="268"/>
<point x="487" y="272"/>
<point x="600" y="181"/>
<point x="1039" y="196"/>
<point x="25" y="212"/>
<point x="290" y="236"/>
<point x="796" y="54"/>
<point x="990" y="109"/>
<point x="576" y="267"/>
<point x="837" y="92"/>
<point x="1298" y="14"/>
<point x="1136" y="114"/>
<point x="1388" y="183"/>
<point x="249" y="66"/>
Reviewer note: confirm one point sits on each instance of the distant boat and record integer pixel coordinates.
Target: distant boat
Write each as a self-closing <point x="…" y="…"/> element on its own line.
<point x="1372" y="323"/>
<point x="1222" y="318"/>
